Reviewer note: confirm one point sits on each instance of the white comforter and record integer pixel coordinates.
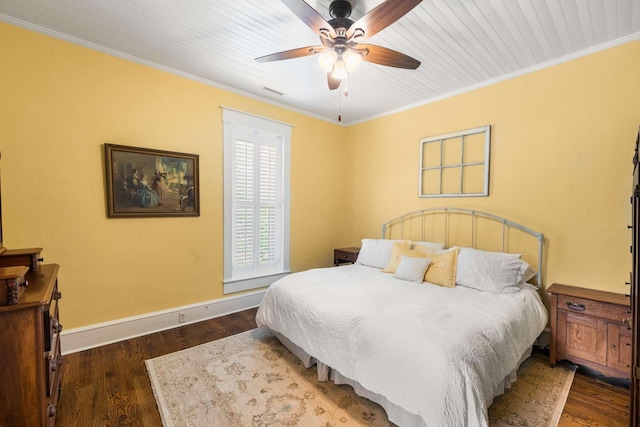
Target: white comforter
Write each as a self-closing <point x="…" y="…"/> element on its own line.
<point x="440" y="353"/>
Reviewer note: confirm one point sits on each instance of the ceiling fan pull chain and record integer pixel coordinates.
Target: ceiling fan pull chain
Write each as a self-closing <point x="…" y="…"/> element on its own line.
<point x="339" y="108"/>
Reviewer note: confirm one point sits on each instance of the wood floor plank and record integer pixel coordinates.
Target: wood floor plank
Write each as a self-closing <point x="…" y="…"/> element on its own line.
<point x="147" y="404"/>
<point x="109" y="385"/>
<point x="592" y="402"/>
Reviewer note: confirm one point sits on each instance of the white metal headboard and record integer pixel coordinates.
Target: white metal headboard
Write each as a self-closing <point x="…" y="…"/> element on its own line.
<point x="433" y="214"/>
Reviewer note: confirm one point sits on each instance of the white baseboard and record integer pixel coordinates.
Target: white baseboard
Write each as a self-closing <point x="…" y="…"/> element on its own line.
<point x="92" y="336"/>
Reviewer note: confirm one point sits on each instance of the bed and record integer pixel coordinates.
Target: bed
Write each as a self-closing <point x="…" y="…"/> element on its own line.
<point x="433" y="349"/>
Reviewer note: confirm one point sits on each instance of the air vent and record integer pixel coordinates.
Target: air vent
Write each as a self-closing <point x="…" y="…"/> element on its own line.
<point x="273" y="91"/>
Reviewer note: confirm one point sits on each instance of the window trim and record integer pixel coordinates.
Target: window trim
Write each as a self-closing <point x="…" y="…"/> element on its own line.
<point x="230" y="118"/>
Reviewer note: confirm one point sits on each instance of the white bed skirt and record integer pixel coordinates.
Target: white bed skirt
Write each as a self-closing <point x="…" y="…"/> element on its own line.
<point x="395" y="413"/>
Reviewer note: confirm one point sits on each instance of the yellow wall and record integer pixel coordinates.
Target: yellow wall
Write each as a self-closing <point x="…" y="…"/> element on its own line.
<point x="59" y="103"/>
<point x="562" y="143"/>
<point x="562" y="140"/>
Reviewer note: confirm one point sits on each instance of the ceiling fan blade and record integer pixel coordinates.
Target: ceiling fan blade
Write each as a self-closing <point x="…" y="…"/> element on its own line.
<point x="293" y="53"/>
<point x="382" y="16"/>
<point x="333" y="83"/>
<point x="310" y="16"/>
<point x="389" y="57"/>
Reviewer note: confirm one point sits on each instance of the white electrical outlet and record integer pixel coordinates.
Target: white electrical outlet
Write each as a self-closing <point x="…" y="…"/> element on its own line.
<point x="181" y="317"/>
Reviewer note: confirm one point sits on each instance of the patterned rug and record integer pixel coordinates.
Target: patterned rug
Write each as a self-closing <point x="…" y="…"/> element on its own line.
<point x="250" y="379"/>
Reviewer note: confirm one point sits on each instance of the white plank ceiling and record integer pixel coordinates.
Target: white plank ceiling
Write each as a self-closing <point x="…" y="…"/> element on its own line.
<point x="462" y="44"/>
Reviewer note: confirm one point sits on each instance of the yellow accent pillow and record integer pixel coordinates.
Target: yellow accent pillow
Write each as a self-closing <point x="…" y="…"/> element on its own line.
<point x="442" y="270"/>
<point x="404" y="248"/>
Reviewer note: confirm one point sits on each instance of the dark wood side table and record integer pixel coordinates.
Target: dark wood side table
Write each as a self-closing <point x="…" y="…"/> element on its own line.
<point x="345" y="255"/>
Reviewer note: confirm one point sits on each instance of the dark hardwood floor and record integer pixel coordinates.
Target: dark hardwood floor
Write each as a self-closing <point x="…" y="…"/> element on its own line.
<point x="594" y="403"/>
<point x="108" y="386"/>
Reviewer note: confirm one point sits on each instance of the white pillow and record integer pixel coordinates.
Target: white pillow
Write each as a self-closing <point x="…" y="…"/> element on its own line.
<point x="376" y="252"/>
<point x="490" y="271"/>
<point x="412" y="269"/>
<point x="526" y="272"/>
<point x="431" y="245"/>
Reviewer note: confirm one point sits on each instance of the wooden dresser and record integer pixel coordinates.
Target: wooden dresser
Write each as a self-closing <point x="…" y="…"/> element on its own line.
<point x="30" y="358"/>
<point x="591" y="328"/>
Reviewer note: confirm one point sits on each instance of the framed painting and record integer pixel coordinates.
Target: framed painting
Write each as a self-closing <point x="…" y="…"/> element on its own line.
<point x="143" y="182"/>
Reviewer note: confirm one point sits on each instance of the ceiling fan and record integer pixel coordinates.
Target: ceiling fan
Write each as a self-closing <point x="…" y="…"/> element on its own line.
<point x="341" y="50"/>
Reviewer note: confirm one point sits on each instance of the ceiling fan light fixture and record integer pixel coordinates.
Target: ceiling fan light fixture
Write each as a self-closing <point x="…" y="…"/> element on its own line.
<point x="327" y="59"/>
<point x="340" y="51"/>
<point x="339" y="70"/>
<point x="352" y="60"/>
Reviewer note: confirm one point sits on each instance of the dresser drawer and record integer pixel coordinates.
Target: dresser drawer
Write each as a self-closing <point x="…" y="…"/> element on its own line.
<point x="587" y="307"/>
<point x="53" y="365"/>
<point x="12" y="284"/>
<point x="347" y="256"/>
<point x="52" y="404"/>
<point x="52" y="356"/>
<point x="51" y="319"/>
<point x="343" y="255"/>
<point x="28" y="257"/>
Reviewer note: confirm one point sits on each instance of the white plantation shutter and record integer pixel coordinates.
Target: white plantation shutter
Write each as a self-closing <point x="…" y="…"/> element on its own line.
<point x="243" y="215"/>
<point x="256" y="201"/>
<point x="269" y="206"/>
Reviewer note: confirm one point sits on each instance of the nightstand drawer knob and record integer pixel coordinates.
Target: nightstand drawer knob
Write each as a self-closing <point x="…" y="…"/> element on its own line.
<point x="575" y="306"/>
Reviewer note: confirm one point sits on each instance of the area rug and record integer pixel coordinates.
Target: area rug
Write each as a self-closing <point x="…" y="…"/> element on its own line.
<point x="252" y="380"/>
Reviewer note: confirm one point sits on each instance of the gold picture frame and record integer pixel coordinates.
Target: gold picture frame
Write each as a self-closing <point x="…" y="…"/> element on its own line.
<point x="143" y="182"/>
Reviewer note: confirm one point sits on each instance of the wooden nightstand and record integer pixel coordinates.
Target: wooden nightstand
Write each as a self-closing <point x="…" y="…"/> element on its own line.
<point x="345" y="255"/>
<point x="591" y="328"/>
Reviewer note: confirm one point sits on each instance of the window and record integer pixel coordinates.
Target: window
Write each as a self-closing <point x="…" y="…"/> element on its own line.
<point x="455" y="164"/>
<point x="256" y="200"/>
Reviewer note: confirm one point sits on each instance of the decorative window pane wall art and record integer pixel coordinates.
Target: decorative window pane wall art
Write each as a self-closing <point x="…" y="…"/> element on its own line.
<point x="455" y="164"/>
